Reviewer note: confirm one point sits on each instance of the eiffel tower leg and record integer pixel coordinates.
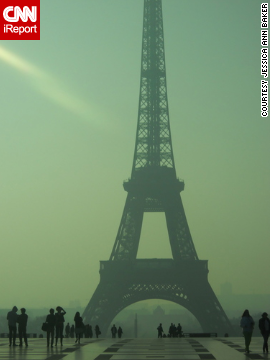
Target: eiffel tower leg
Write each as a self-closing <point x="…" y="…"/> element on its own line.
<point x="112" y="295"/>
<point x="203" y="302"/>
<point x="178" y="229"/>
<point x="103" y="305"/>
<point x="129" y="232"/>
<point x="205" y="306"/>
<point x="125" y="249"/>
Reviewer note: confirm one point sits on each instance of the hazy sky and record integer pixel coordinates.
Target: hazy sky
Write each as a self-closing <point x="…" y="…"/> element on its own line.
<point x="69" y="105"/>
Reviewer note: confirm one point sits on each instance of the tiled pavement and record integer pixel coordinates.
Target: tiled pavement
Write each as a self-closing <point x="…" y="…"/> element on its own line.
<point x="137" y="349"/>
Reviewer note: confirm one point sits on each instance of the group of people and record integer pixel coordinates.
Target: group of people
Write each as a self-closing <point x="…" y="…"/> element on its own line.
<point x="57" y="321"/>
<point x="247" y="323"/>
<point x="13" y="319"/>
<point x="87" y="331"/>
<point x="115" y="331"/>
<point x="174" y="331"/>
<point x="53" y="325"/>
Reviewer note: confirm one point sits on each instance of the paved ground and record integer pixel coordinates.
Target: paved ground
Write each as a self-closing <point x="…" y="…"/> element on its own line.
<point x="137" y="349"/>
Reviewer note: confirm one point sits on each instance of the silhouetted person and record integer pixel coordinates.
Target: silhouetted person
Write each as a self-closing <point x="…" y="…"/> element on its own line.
<point x="264" y="325"/>
<point x="90" y="331"/>
<point x="97" y="331"/>
<point x="172" y="330"/>
<point x="114" y="331"/>
<point x="12" y="325"/>
<point x="247" y="323"/>
<point x="67" y="330"/>
<point x="22" y="321"/>
<point x="179" y="330"/>
<point x="86" y="331"/>
<point x="72" y="331"/>
<point x="119" y="332"/>
<point x="79" y="327"/>
<point x="160" y="330"/>
<point x="59" y="324"/>
<point x="50" y="320"/>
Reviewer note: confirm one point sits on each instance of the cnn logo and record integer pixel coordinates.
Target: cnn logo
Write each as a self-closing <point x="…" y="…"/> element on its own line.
<point x="20" y="20"/>
<point x="18" y="13"/>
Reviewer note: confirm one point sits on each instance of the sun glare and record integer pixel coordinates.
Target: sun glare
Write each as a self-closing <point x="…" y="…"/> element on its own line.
<point x="52" y="88"/>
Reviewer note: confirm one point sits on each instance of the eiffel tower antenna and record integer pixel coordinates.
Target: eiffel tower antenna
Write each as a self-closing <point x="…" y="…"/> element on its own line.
<point x="154" y="187"/>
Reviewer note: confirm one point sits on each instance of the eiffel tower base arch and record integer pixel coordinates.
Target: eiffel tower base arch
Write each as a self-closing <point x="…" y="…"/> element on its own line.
<point x="182" y="282"/>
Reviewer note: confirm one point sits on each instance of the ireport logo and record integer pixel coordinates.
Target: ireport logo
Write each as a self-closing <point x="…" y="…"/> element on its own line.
<point x="20" y="20"/>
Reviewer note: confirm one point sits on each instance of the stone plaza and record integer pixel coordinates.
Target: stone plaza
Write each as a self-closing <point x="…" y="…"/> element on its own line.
<point x="219" y="348"/>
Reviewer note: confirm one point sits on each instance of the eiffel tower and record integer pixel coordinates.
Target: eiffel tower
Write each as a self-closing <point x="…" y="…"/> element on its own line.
<point x="154" y="187"/>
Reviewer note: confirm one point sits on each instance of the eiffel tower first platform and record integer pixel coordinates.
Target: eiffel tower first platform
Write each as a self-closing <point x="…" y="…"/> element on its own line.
<point x="154" y="187"/>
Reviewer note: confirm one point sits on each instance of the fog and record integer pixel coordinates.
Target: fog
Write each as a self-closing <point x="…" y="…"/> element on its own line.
<point x="69" y="106"/>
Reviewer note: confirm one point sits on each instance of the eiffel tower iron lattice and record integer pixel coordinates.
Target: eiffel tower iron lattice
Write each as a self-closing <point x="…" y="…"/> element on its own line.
<point x="154" y="187"/>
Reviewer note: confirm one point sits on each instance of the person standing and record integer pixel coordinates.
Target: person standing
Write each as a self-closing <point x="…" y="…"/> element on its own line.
<point x="86" y="331"/>
<point x="90" y="332"/>
<point x="97" y="331"/>
<point x="179" y="330"/>
<point x="67" y="330"/>
<point x="160" y="330"/>
<point x="50" y="320"/>
<point x="247" y="323"/>
<point x="114" y="331"/>
<point x="72" y="331"/>
<point x="59" y="324"/>
<point x="264" y="325"/>
<point x="79" y="327"/>
<point x="171" y="330"/>
<point x="22" y="321"/>
<point x="119" y="332"/>
<point x="12" y="325"/>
